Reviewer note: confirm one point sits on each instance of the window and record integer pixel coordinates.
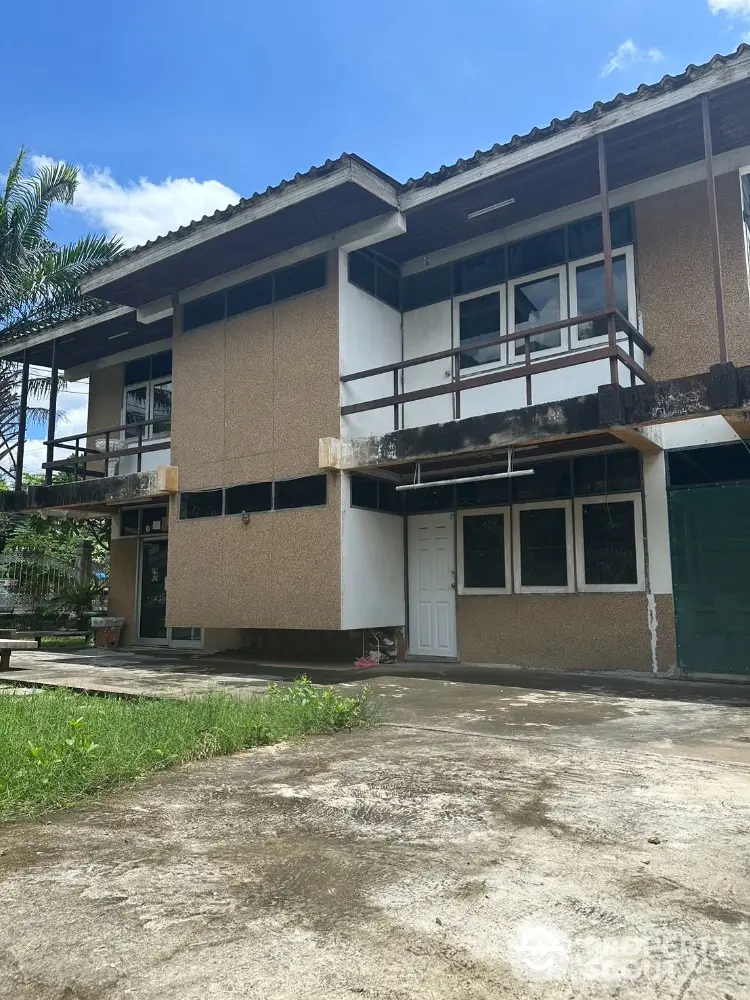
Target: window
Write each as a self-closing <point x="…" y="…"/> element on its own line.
<point x="145" y="369"/>
<point x="207" y="503"/>
<point x="481" y="271"/>
<point x="536" y="253"/>
<point x="149" y="402"/>
<point x="373" y="493"/>
<point x="201" y="312"/>
<point x="609" y="543"/>
<point x="537" y="303"/>
<point x="480" y="318"/>
<point x="588" y="294"/>
<point x="543" y="549"/>
<point x="249" y="498"/>
<point x="585" y="236"/>
<point x="484" y="552"/>
<point x="610" y="472"/>
<point x="306" y="491"/>
<point x="145" y="520"/>
<point x="306" y="276"/>
<point x="551" y="481"/>
<point x="252" y="295"/>
<point x="376" y="275"/>
<point x="434" y="285"/>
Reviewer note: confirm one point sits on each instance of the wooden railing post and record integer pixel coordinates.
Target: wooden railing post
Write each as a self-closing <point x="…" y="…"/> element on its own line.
<point x="527" y="356"/>
<point x="52" y="416"/>
<point x="714" y="229"/>
<point x="22" y="422"/>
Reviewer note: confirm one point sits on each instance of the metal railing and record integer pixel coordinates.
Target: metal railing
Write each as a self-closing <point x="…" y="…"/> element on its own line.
<point x="119" y="442"/>
<point x="617" y="325"/>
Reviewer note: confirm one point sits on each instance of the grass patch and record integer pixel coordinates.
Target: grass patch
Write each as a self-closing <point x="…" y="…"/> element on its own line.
<point x="58" y="746"/>
<point x="59" y="641"/>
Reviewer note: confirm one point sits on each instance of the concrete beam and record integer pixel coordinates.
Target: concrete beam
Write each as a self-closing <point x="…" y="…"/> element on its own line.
<point x="95" y="495"/>
<point x="638" y="409"/>
<point x="739" y="421"/>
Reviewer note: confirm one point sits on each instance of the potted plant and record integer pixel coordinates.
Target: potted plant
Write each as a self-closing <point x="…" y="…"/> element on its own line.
<point x="77" y="598"/>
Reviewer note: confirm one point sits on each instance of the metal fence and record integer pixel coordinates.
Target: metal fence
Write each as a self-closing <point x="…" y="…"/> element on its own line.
<point x="30" y="580"/>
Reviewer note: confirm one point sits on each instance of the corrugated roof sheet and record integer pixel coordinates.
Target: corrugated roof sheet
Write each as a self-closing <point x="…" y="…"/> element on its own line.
<point x="666" y="84"/>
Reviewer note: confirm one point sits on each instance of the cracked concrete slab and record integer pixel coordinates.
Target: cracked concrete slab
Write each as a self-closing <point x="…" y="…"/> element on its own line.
<point x="486" y="842"/>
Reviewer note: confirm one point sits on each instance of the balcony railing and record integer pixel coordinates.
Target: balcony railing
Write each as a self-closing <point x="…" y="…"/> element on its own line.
<point x="617" y="323"/>
<point x="117" y="445"/>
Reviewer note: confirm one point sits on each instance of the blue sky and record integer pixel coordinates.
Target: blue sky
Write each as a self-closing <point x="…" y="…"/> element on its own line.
<point x="174" y="109"/>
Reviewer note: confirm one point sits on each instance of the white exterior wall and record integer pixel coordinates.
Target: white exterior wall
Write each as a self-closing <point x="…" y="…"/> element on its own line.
<point x="372" y="566"/>
<point x="369" y="336"/>
<point x="426" y="331"/>
<point x="149" y="461"/>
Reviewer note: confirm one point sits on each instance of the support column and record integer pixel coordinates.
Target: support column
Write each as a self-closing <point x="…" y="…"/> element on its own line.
<point x="52" y="414"/>
<point x="21" y="446"/>
<point x="609" y="280"/>
<point x="714" y="229"/>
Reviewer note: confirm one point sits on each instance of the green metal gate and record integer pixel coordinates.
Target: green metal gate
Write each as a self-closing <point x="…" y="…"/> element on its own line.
<point x="709" y="529"/>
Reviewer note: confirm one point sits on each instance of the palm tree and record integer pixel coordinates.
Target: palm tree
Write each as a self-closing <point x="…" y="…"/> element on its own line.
<point x="39" y="280"/>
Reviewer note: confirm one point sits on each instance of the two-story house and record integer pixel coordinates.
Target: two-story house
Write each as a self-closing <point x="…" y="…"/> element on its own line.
<point x="498" y="410"/>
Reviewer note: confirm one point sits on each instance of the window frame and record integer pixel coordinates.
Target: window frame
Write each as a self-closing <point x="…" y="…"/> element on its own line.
<point x="640" y="562"/>
<point x="628" y="253"/>
<point x="506" y="511"/>
<point x="518" y="587"/>
<point x="510" y="323"/>
<point x="148" y="431"/>
<point x="488" y="366"/>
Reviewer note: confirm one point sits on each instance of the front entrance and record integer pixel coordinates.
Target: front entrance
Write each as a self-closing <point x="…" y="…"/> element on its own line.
<point x="151" y="628"/>
<point x="432" y="586"/>
<point x="710" y="541"/>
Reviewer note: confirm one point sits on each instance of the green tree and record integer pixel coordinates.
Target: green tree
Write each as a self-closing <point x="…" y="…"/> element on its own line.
<point x="39" y="280"/>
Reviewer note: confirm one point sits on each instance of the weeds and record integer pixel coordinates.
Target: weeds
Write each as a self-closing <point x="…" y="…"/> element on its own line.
<point x="58" y="746"/>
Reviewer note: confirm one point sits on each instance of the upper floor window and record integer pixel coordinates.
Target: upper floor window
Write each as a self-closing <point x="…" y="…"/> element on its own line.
<point x="147" y="396"/>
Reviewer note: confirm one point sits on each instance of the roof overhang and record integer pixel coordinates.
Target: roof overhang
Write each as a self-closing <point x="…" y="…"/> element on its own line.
<point x="340" y="196"/>
<point x="83" y="341"/>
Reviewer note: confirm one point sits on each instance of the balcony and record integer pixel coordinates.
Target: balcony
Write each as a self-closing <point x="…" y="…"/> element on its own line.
<point x="116" y="451"/>
<point x="617" y="358"/>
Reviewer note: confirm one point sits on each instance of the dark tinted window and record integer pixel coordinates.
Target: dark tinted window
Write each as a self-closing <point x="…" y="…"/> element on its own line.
<point x="130" y="522"/>
<point x="585" y="236"/>
<point x="154" y="521"/>
<point x="479" y="319"/>
<point x="302" y="277"/>
<point x="248" y="498"/>
<point x="389" y="501"/>
<point x="543" y="547"/>
<point x="484" y="550"/>
<point x="252" y="295"/>
<point x="725" y="463"/>
<point x="550" y="481"/>
<point x="307" y="491"/>
<point x="388" y="287"/>
<point x="208" y="503"/>
<point x="364" y="492"/>
<point x="430" y="286"/>
<point x="481" y="271"/>
<point x="490" y="493"/>
<point x="203" y="311"/>
<point x="362" y="271"/>
<point x="161" y="365"/>
<point x="618" y="472"/>
<point x="430" y="498"/>
<point x="536" y="253"/>
<point x="609" y="543"/>
<point x="137" y="371"/>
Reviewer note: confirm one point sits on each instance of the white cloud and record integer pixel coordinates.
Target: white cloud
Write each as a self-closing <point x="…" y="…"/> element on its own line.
<point x="741" y="7"/>
<point x="142" y="210"/>
<point x="628" y="54"/>
<point x="73" y="405"/>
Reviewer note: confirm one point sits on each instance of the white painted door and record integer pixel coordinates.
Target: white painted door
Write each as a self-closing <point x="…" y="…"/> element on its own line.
<point x="432" y="585"/>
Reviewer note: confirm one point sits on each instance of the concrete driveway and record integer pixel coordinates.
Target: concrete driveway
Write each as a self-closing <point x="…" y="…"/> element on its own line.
<point x="488" y="842"/>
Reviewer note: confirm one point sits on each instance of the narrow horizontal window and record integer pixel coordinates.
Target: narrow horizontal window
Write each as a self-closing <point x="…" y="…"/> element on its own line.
<point x="161" y="365"/>
<point x="251" y="295"/>
<point x="303" y="277"/>
<point x="362" y="271"/>
<point x="207" y="503"/>
<point x="389" y="501"/>
<point x="585" y="236"/>
<point x="427" y="287"/>
<point x="201" y="312"/>
<point x="388" y="287"/>
<point x="137" y="371"/>
<point x="481" y="271"/>
<point x="483" y="546"/>
<point x="536" y="253"/>
<point x="431" y="498"/>
<point x="609" y="544"/>
<point x="307" y="491"/>
<point x="615" y="472"/>
<point x="491" y="493"/>
<point x="249" y="498"/>
<point x="550" y="481"/>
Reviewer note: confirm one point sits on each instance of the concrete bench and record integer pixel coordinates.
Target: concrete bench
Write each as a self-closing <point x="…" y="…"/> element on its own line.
<point x="40" y="634"/>
<point x="8" y="645"/>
